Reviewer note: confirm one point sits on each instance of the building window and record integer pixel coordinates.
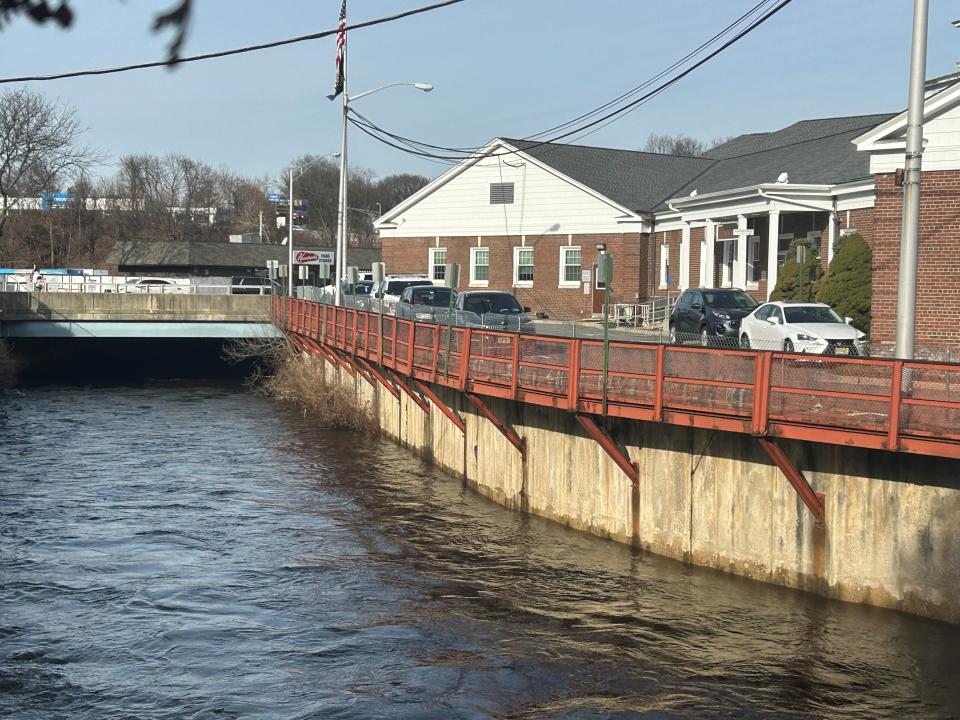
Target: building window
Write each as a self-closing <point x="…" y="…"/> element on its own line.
<point x="501" y="193"/>
<point x="569" y="267"/>
<point x="753" y="260"/>
<point x="438" y="264"/>
<point x="664" y="266"/>
<point x="523" y="267"/>
<point x="479" y="266"/>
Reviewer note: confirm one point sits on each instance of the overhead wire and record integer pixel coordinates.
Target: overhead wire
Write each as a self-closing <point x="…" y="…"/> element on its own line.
<point x="227" y="53"/>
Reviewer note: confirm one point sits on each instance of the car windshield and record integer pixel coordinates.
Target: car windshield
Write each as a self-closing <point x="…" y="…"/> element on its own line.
<point x="500" y="303"/>
<point x="396" y="287"/>
<point x="361" y="288"/>
<point x="729" y="300"/>
<point x="433" y="297"/>
<point x="811" y="314"/>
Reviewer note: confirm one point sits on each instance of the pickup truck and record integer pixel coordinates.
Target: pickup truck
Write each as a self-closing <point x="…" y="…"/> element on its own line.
<point x="492" y="310"/>
<point x="424" y="303"/>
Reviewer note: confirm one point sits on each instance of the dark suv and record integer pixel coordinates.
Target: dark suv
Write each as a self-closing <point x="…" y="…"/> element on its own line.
<point x="710" y="316"/>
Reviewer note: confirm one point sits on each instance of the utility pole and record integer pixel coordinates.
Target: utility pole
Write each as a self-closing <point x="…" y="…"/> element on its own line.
<point x="290" y="238"/>
<point x="910" y="228"/>
<point x="341" y="257"/>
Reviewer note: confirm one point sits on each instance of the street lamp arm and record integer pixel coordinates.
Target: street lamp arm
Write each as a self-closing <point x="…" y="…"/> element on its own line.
<point x="425" y="87"/>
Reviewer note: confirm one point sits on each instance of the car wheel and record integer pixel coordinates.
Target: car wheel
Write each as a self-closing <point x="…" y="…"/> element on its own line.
<point x="704" y="336"/>
<point x="745" y="342"/>
<point x="788" y="345"/>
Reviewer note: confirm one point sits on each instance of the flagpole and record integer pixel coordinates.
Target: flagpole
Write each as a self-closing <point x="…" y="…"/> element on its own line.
<point x="342" y="205"/>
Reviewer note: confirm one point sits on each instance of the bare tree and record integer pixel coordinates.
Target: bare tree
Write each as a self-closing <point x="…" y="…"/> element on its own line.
<point x="674" y="145"/>
<point x="39" y="149"/>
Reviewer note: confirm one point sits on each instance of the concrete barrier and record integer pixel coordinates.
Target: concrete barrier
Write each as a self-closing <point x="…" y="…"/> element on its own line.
<point x="119" y="307"/>
<point x="711" y="498"/>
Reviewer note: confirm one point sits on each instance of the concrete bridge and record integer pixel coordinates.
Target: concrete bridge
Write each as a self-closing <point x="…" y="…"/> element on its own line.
<point x="134" y="315"/>
<point x="840" y="476"/>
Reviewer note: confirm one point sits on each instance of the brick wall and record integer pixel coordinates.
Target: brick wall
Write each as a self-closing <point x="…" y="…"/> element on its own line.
<point x="938" y="267"/>
<point x="630" y="252"/>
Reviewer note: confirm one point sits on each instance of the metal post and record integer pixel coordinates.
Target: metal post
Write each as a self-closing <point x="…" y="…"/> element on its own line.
<point x="342" y="207"/>
<point x="910" y="229"/>
<point x="290" y="236"/>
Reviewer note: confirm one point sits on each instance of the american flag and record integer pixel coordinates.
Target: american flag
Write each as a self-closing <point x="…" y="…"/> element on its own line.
<point x="341" y="43"/>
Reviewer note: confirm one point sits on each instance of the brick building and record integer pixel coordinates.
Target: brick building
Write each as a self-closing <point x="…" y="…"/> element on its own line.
<point x="532" y="218"/>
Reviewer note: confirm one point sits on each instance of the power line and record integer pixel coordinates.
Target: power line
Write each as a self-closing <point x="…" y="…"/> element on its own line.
<point x="375" y="131"/>
<point x="227" y="53"/>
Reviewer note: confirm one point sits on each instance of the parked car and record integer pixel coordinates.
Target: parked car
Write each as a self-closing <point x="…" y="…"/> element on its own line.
<point x="494" y="310"/>
<point x="358" y="295"/>
<point x="710" y="315"/>
<point x="393" y="286"/>
<point x="801" y="327"/>
<point x="252" y="285"/>
<point x="153" y="285"/>
<point x="425" y="303"/>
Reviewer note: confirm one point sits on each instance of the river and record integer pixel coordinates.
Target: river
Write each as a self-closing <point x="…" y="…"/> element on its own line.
<point x="183" y="550"/>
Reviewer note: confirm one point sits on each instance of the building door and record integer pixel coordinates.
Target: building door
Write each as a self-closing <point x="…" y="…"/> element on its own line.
<point x="597" y="291"/>
<point x="726" y="266"/>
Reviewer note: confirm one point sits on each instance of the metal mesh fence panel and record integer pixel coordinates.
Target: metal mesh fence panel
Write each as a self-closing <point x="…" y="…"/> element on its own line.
<point x="490" y="345"/>
<point x="553" y="381"/>
<point x="814" y="409"/>
<point x="619" y="388"/>
<point x="708" y="397"/>
<point x="495" y="371"/>
<point x="638" y="359"/>
<point x="821" y="374"/>
<point x="943" y="422"/>
<point x="424" y="336"/>
<point x="932" y="382"/>
<point x="547" y="352"/>
<point x="709" y="365"/>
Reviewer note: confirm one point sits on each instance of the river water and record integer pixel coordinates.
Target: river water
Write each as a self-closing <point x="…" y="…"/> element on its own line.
<point x="179" y="550"/>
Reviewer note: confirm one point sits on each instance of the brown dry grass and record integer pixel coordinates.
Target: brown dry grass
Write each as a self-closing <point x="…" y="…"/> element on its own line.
<point x="285" y="373"/>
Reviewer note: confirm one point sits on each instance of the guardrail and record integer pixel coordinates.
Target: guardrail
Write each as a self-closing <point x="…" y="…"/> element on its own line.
<point x="124" y="287"/>
<point x="881" y="404"/>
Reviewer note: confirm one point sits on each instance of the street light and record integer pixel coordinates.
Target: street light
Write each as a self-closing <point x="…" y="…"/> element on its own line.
<point x="342" y="204"/>
<point x="302" y="169"/>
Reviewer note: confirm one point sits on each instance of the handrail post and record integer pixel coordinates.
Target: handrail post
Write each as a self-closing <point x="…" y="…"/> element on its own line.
<point x="573" y="375"/>
<point x="464" y="357"/>
<point x="515" y="371"/>
<point x="658" y="384"/>
<point x="411" y="337"/>
<point x="896" y="393"/>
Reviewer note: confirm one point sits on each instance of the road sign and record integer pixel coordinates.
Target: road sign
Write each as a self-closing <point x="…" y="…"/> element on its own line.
<point x="743" y="231"/>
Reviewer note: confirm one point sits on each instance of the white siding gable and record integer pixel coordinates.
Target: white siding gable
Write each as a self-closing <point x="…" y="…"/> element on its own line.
<point x="941" y="149"/>
<point x="545" y="202"/>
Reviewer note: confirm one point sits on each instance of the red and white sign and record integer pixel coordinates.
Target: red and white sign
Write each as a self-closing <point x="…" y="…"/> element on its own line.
<point x="313" y="257"/>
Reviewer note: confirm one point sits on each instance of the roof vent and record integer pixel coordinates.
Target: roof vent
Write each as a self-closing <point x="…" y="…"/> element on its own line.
<point x="693" y="193"/>
<point x="783" y="178"/>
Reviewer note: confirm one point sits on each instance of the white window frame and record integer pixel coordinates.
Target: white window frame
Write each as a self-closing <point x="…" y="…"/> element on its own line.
<point x="516" y="266"/>
<point x="431" y="264"/>
<point x="664" y="265"/>
<point x="473" y="267"/>
<point x="564" y="283"/>
<point x="754" y="266"/>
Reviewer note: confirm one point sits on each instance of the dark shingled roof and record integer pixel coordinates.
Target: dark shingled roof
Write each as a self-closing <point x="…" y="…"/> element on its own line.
<point x="817" y="152"/>
<point x="133" y="253"/>
<point x="637" y="180"/>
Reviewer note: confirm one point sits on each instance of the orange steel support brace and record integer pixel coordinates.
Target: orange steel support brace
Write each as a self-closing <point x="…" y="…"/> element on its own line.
<point x="444" y="408"/>
<point x="630" y="469"/>
<point x="352" y="361"/>
<point x="374" y="372"/>
<point x="505" y="429"/>
<point x="421" y="403"/>
<point x="813" y="500"/>
<point x="896" y="391"/>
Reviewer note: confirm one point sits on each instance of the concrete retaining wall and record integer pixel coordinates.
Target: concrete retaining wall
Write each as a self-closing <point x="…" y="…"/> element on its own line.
<point x="711" y="498"/>
<point x="76" y="307"/>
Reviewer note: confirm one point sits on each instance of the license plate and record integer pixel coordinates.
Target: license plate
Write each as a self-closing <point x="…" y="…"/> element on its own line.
<point x="842" y="351"/>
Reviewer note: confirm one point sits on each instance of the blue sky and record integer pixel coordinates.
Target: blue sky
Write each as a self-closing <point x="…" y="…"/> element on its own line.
<point x="500" y="67"/>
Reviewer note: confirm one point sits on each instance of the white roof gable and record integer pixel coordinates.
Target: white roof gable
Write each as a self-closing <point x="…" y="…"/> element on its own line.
<point x="545" y="201"/>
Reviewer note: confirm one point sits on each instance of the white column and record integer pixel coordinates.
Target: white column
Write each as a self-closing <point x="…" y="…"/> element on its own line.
<point x="773" y="248"/>
<point x="831" y="235"/>
<point x="703" y="260"/>
<point x="684" y="281"/>
<point x="740" y="264"/>
<point x="708" y="260"/>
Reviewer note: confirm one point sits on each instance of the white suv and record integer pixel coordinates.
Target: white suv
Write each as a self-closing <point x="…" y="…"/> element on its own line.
<point x="394" y="285"/>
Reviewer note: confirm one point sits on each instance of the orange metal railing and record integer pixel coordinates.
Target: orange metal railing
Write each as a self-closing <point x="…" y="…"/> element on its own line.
<point x="907" y="406"/>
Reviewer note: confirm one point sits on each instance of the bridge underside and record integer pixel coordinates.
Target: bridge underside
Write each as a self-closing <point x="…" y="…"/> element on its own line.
<point x="137" y="329"/>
